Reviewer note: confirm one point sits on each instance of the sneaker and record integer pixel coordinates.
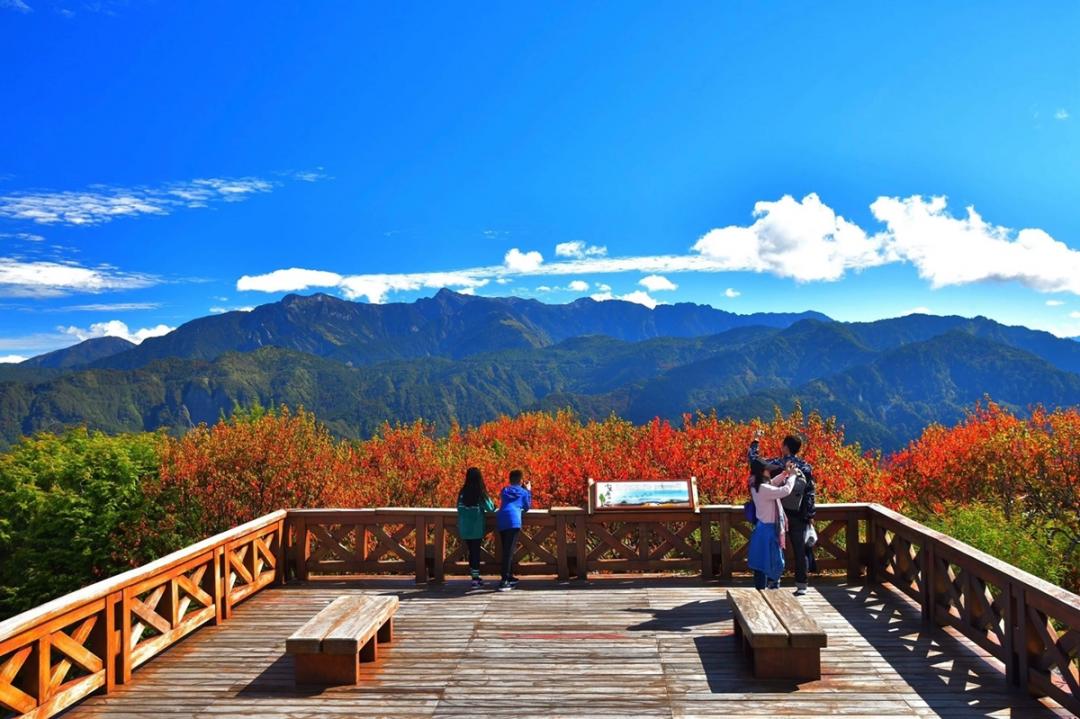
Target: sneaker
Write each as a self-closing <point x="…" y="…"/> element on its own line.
<point x="505" y="586"/>
<point x="772" y="585"/>
<point x="477" y="583"/>
<point x="514" y="581"/>
<point x="800" y="590"/>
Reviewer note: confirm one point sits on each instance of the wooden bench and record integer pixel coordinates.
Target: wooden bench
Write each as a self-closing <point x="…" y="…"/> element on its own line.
<point x="783" y="641"/>
<point x="329" y="648"/>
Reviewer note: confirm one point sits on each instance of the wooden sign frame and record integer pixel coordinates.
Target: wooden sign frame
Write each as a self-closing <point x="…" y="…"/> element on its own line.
<point x="692" y="493"/>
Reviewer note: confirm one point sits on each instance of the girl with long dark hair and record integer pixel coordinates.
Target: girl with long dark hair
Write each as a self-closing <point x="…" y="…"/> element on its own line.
<point x="472" y="505"/>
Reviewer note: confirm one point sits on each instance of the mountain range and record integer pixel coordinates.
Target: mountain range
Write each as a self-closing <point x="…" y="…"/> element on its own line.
<point x="465" y="359"/>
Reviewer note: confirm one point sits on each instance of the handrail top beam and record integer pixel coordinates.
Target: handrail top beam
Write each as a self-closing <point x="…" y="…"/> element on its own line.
<point x="93" y="592"/>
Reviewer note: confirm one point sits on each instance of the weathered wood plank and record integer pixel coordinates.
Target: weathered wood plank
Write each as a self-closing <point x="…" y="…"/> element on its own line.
<point x="802" y="628"/>
<point x="759" y="622"/>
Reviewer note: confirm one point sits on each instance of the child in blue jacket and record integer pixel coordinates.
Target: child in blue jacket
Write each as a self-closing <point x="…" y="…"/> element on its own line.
<point x="515" y="501"/>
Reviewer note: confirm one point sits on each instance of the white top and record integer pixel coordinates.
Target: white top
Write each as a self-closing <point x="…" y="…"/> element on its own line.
<point x="767" y="497"/>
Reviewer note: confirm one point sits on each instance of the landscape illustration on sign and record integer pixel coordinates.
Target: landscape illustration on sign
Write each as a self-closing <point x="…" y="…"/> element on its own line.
<point x="642" y="493"/>
<point x="604" y="359"/>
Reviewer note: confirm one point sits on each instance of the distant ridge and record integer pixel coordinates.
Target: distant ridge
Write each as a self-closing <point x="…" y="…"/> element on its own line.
<point x="460" y="359"/>
<point x="83" y="353"/>
<point x="447" y="325"/>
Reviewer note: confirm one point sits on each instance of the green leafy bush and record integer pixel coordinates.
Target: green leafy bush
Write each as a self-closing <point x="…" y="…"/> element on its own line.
<point x="1029" y="543"/>
<point x="68" y="504"/>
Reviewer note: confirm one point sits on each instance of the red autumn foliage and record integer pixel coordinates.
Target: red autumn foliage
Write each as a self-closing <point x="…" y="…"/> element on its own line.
<point x="215" y="477"/>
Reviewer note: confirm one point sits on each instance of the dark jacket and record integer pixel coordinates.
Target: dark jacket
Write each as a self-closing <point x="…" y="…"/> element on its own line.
<point x="516" y="500"/>
<point x="806" y="507"/>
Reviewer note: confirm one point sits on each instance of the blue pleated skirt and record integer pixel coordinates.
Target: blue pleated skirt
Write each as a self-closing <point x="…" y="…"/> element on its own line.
<point x="764" y="553"/>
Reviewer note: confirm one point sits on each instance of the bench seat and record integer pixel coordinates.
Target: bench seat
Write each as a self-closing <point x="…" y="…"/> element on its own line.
<point x="773" y="628"/>
<point x="329" y="648"/>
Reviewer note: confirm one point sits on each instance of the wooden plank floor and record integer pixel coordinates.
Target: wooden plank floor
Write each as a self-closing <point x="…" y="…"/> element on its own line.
<point x="610" y="647"/>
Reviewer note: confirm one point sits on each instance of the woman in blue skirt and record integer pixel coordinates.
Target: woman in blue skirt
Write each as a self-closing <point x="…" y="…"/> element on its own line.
<point x="766" y="551"/>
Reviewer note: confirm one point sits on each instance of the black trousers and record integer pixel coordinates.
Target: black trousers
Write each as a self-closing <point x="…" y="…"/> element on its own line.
<point x="508" y="539"/>
<point x="797" y="539"/>
<point x="474" y="555"/>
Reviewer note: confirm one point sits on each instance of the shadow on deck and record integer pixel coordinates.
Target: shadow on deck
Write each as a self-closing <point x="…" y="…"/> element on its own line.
<point x="607" y="647"/>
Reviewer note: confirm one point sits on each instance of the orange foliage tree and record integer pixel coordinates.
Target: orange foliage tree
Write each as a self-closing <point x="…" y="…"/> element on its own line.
<point x="258" y="461"/>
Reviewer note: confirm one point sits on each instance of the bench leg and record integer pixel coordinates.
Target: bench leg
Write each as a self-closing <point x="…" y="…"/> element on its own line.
<point x="787" y="663"/>
<point x="370" y="651"/>
<point x="386" y="631"/>
<point x="326" y="669"/>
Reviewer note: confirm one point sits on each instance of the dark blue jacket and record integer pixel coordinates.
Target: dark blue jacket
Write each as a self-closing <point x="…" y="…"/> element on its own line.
<point x="516" y="500"/>
<point x="806" y="507"/>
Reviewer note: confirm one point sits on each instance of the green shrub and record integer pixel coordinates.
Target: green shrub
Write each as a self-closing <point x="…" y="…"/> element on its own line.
<point x="1025" y="542"/>
<point x="68" y="504"/>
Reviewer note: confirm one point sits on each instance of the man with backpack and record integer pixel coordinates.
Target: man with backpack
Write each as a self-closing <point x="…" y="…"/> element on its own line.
<point x="798" y="506"/>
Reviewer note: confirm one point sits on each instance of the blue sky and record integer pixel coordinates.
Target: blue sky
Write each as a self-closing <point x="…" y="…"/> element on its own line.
<point x="161" y="161"/>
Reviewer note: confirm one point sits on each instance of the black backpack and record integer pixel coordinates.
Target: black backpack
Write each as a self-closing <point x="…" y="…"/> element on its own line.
<point x="793" y="501"/>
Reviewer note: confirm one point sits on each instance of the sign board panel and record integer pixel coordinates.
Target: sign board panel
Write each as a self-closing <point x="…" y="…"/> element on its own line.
<point x="643" y="494"/>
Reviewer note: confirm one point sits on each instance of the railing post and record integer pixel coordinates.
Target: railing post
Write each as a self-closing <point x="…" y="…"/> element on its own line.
<point x="112" y="641"/>
<point x="1020" y="640"/>
<point x="581" y="530"/>
<point x="876" y="542"/>
<point x="281" y="571"/>
<point x="725" y="545"/>
<point x="851" y="539"/>
<point x="1011" y="659"/>
<point x="561" y="559"/>
<point x="125" y="637"/>
<point x="226" y="575"/>
<point x="929" y="592"/>
<point x="41" y="666"/>
<point x="438" y="568"/>
<point x="302" y="549"/>
<point x="217" y="591"/>
<point x="420" y="551"/>
<point x="706" y="546"/>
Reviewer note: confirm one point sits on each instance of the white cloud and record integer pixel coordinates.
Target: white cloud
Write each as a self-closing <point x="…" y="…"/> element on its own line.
<point x="522" y="262"/>
<point x="23" y="236"/>
<point x="731" y="293"/>
<point x="1061" y="114"/>
<point x="949" y="250"/>
<point x="804" y="240"/>
<point x="657" y="283"/>
<point x="293" y="279"/>
<point x="55" y="279"/>
<point x="223" y="310"/>
<point x="638" y="297"/>
<point x="1074" y="315"/>
<point x="115" y="328"/>
<point x="111" y="307"/>
<point x="578" y="286"/>
<point x="1054" y="303"/>
<point x="916" y="311"/>
<point x="579" y="250"/>
<point x="801" y="239"/>
<point x="16" y="5"/>
<point x="101" y="203"/>
<point x="376" y="287"/>
<point x="545" y="288"/>
<point x="12" y="359"/>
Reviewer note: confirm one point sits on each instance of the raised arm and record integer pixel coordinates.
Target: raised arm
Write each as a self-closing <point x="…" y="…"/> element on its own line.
<point x="772" y="491"/>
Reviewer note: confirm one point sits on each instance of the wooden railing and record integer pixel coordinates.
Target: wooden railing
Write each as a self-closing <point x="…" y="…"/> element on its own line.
<point x="54" y="655"/>
<point x="562" y="541"/>
<point x="1029" y="624"/>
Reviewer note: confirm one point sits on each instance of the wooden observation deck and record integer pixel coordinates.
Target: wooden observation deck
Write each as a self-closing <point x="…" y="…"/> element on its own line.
<point x="627" y="617"/>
